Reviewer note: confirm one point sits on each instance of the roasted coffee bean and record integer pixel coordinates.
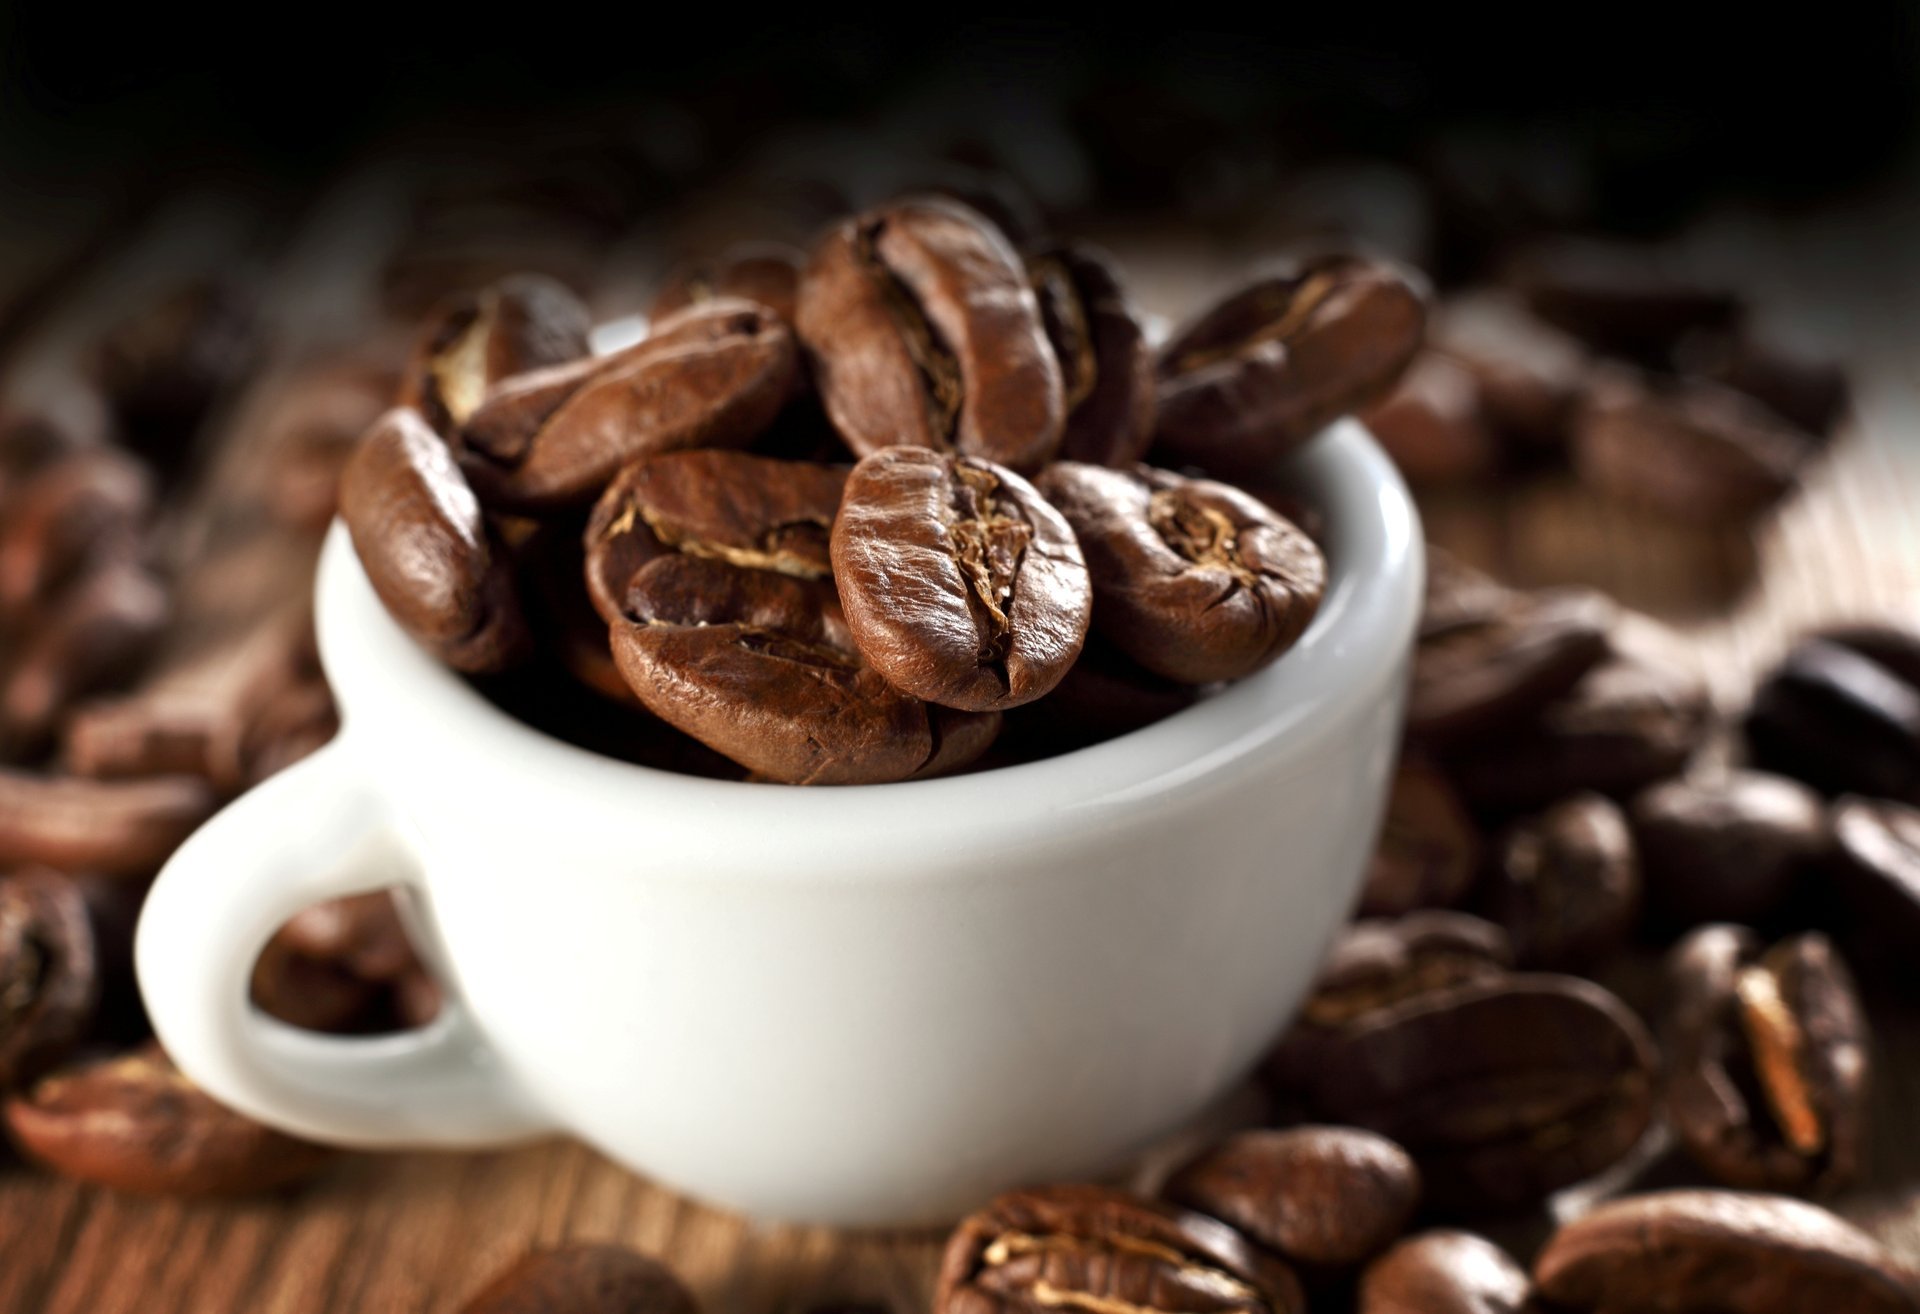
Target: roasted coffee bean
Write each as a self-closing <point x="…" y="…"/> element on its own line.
<point x="1323" y="1198"/>
<point x="364" y="933"/>
<point x="1429" y="849"/>
<point x="1692" y="450"/>
<point x="1840" y="720"/>
<point x="1378" y="965"/>
<point x="344" y="966"/>
<point x="1103" y="695"/>
<point x="135" y="1123"/>
<point x="1530" y="376"/>
<point x="1726" y="847"/>
<point x="1433" y="424"/>
<point x="756" y="665"/>
<point x="49" y="973"/>
<point x="1503" y="1090"/>
<point x="113" y="905"/>
<point x="45" y="420"/>
<point x="746" y="510"/>
<point x="714" y="375"/>
<point x="429" y="553"/>
<point x="1809" y="392"/>
<point x="766" y="272"/>
<point x="312" y="994"/>
<point x="1106" y="363"/>
<point x="923" y="330"/>
<point x="1488" y="669"/>
<point x="293" y="725"/>
<point x="116" y="827"/>
<point x="1444" y="1272"/>
<point x="1767" y="1060"/>
<point x="961" y="584"/>
<point x="1194" y="580"/>
<point x="1620" y="299"/>
<point x="145" y="734"/>
<point x="90" y="505"/>
<point x="1458" y="595"/>
<point x="476" y="340"/>
<point x="163" y="364"/>
<point x="1635" y="719"/>
<point x="309" y="426"/>
<point x="1876" y="884"/>
<point x="1719" y="1252"/>
<point x="1094" y="1248"/>
<point x="1566" y="884"/>
<point x="1268" y="367"/>
<point x="584" y="1279"/>
<point x="98" y="633"/>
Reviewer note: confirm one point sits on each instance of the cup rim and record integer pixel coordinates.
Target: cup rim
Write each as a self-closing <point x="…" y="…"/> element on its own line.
<point x="1349" y="658"/>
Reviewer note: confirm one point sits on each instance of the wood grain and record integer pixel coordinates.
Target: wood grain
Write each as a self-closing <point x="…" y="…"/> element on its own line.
<point x="418" y="1232"/>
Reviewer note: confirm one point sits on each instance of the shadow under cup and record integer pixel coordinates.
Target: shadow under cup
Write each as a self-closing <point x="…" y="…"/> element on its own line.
<point x="860" y="1005"/>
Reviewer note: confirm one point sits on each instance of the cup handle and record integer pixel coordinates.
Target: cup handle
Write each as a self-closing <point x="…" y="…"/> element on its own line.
<point x="314" y="832"/>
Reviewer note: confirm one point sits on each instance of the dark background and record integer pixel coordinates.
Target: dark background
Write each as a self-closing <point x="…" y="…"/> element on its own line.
<point x="1669" y="105"/>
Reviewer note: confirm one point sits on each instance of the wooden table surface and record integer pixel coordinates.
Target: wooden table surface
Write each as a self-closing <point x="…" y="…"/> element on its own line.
<point x="417" y="1232"/>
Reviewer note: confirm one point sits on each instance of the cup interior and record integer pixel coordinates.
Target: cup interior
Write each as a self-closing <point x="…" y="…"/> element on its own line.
<point x="394" y="691"/>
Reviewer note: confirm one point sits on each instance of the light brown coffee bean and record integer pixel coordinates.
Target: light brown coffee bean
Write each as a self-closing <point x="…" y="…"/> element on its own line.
<point x="1325" y="1199"/>
<point x="961" y="584"/>
<point x="1444" y="1272"/>
<point x="1271" y="365"/>
<point x="1768" y="1064"/>
<point x="134" y="1123"/>
<point x="428" y="551"/>
<point x="1194" y="580"/>
<point x="120" y="827"/>
<point x="476" y="340"/>
<point x="1719" y="1252"/>
<point x="923" y="330"/>
<point x="714" y="375"/>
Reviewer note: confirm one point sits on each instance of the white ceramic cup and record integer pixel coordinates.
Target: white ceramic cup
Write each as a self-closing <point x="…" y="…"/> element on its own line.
<point x="860" y="1005"/>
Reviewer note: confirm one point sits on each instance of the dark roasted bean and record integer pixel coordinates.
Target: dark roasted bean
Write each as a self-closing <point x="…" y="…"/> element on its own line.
<point x="1194" y="580"/>
<point x="1325" y="1199"/>
<point x="1379" y="964"/>
<point x="1840" y="720"/>
<point x="1106" y="363"/>
<point x="1767" y="1060"/>
<point x="1719" y="1252"/>
<point x="714" y="375"/>
<point x="1444" y="1272"/>
<point x="1566" y="884"/>
<point x="1433" y="424"/>
<point x="1268" y="367"/>
<point x="1876" y="884"/>
<point x="163" y="364"/>
<point x="428" y="551"/>
<point x="1726" y="847"/>
<point x="117" y="827"/>
<point x="584" y="1279"/>
<point x="1620" y="299"/>
<point x="961" y="584"/>
<point x="1503" y="1090"/>
<point x="1478" y="671"/>
<point x="135" y="1123"/>
<point x="766" y="272"/>
<point x="746" y="510"/>
<point x="923" y="330"/>
<point x="1092" y="1248"/>
<point x="1635" y="719"/>
<point x="1809" y="392"/>
<point x="49" y="973"/>
<point x="82" y="507"/>
<point x="1695" y="451"/>
<point x="479" y="339"/>
<point x="1531" y="377"/>
<point x="98" y="633"/>
<point x="1429" y="848"/>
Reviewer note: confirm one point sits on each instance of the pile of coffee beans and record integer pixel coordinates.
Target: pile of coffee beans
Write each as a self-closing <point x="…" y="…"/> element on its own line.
<point x="674" y="526"/>
<point x="1650" y="386"/>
